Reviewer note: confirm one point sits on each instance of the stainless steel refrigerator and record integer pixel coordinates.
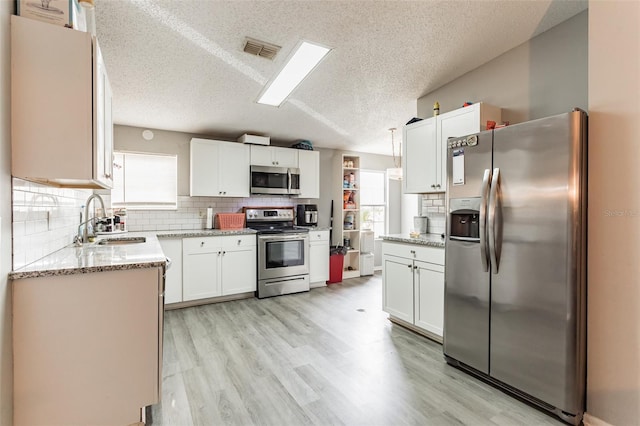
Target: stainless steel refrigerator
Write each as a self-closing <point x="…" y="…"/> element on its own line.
<point x="515" y="274"/>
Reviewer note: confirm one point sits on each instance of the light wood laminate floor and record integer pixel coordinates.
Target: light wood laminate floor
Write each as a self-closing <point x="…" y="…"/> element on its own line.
<point x="326" y="357"/>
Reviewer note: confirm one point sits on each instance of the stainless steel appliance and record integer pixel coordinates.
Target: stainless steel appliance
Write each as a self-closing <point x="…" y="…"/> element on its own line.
<point x="283" y="251"/>
<point x="515" y="274"/>
<point x="307" y="215"/>
<point x="275" y="180"/>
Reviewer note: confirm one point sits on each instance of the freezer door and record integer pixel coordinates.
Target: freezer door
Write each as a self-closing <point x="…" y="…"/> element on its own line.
<point x="467" y="159"/>
<point x="466" y="306"/>
<point x="466" y="311"/>
<point x="537" y="294"/>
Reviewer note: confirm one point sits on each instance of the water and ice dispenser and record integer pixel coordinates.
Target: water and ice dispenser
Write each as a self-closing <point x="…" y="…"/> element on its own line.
<point x="464" y="219"/>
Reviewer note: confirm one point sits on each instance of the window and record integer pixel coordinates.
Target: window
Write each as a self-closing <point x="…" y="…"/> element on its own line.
<point x="372" y="201"/>
<point x="145" y="181"/>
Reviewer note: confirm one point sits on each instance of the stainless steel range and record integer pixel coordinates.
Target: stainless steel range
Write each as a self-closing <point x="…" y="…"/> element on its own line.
<point x="283" y="251"/>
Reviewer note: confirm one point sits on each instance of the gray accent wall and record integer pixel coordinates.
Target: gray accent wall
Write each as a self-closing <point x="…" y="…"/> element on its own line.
<point x="545" y="76"/>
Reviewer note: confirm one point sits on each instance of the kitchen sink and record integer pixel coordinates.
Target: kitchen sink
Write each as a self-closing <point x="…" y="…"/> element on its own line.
<point x="124" y="240"/>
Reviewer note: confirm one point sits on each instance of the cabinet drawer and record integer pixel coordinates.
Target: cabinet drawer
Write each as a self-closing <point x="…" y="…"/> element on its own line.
<point x="232" y="241"/>
<point x="212" y="244"/>
<point x="415" y="252"/>
<point x="318" y="236"/>
<point x="200" y="245"/>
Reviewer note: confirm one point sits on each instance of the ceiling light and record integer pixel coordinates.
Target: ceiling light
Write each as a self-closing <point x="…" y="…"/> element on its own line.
<point x="301" y="63"/>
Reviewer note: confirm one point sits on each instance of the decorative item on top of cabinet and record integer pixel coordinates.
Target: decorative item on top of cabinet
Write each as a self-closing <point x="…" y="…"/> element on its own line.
<point x="425" y="145"/>
<point x="61" y="107"/>
<point x="347" y="209"/>
<point x="211" y="172"/>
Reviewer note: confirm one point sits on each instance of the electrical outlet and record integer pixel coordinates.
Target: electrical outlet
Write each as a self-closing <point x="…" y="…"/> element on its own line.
<point x="202" y="213"/>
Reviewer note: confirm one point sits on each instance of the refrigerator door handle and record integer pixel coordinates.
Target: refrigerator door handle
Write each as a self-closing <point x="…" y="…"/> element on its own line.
<point x="486" y="180"/>
<point x="491" y="220"/>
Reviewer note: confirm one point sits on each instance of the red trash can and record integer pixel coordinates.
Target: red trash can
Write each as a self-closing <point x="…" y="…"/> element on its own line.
<point x="336" y="263"/>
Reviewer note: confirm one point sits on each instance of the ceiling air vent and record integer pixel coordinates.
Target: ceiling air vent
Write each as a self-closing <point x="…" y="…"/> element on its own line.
<point x="261" y="48"/>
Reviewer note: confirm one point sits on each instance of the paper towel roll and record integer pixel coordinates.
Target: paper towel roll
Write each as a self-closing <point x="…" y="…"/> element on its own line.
<point x="209" y="224"/>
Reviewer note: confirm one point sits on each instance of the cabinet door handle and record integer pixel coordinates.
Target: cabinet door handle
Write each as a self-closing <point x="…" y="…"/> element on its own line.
<point x="107" y="175"/>
<point x="438" y="186"/>
<point x="201" y="243"/>
<point x="433" y="186"/>
<point x="239" y="241"/>
<point x="409" y="266"/>
<point x="224" y="252"/>
<point x="415" y="267"/>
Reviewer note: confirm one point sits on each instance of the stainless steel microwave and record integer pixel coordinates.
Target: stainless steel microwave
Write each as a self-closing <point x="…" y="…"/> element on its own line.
<point x="275" y="180"/>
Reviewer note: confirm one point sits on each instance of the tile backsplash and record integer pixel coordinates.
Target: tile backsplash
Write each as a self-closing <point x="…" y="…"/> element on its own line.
<point x="45" y="219"/>
<point x="191" y="212"/>
<point x="433" y="206"/>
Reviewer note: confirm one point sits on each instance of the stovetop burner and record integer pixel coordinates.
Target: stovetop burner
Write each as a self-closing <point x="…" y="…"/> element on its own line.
<point x="268" y="220"/>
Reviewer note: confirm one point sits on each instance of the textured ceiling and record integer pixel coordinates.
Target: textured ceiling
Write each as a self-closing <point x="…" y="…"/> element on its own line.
<point x="179" y="65"/>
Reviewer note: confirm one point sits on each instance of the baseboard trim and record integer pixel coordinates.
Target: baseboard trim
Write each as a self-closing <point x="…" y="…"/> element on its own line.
<point x="417" y="330"/>
<point x="590" y="420"/>
<point x="209" y="300"/>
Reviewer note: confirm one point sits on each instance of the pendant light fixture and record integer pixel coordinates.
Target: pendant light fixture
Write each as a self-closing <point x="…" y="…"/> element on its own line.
<point x="396" y="172"/>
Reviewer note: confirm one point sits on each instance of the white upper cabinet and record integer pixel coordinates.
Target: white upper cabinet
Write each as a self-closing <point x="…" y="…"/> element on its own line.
<point x="420" y="157"/>
<point x="309" y="164"/>
<point x="273" y="156"/>
<point x="61" y="107"/>
<point x="219" y="169"/>
<point x="425" y="145"/>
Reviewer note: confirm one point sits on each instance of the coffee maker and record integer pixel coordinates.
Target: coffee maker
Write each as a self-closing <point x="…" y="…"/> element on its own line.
<point x="307" y="214"/>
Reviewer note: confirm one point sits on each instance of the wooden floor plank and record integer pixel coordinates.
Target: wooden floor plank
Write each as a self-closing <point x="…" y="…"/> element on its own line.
<point x="325" y="357"/>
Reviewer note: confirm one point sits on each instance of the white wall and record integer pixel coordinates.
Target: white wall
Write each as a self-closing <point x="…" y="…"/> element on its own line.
<point x="613" y="341"/>
<point x="546" y="75"/>
<point x="6" y="360"/>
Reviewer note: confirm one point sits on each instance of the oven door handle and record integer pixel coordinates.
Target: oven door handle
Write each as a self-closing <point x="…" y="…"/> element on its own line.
<point x="284" y="237"/>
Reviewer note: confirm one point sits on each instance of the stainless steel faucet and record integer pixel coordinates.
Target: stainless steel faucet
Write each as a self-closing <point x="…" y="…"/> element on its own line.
<point x="85" y="234"/>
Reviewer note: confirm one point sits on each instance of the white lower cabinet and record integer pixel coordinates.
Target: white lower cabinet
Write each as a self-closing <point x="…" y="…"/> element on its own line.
<point x="318" y="258"/>
<point x="218" y="266"/>
<point x="413" y="284"/>
<point x="397" y="275"/>
<point x="429" y="296"/>
<point x="172" y="249"/>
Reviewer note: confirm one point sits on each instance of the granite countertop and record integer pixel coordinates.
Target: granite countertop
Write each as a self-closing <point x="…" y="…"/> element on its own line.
<point x="203" y="233"/>
<point x="93" y="257"/>
<point x="315" y="228"/>
<point x="432" y="240"/>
